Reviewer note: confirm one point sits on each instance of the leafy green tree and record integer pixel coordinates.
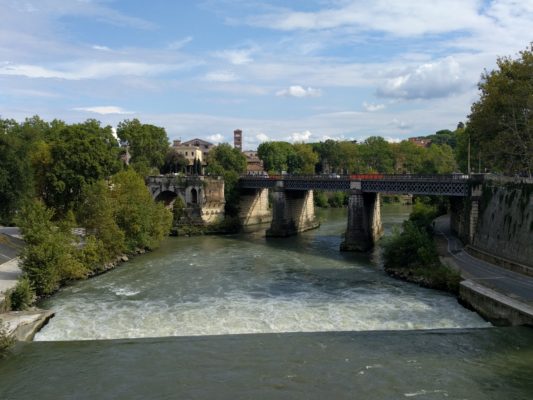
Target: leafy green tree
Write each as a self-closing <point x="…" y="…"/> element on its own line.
<point x="50" y="256"/>
<point x="225" y="158"/>
<point x="304" y="159"/>
<point x="81" y="154"/>
<point x="275" y="156"/>
<point x="148" y="144"/>
<point x="438" y="160"/>
<point x="501" y="121"/>
<point x="97" y="215"/>
<point x="174" y="162"/>
<point x="377" y="154"/>
<point x="16" y="175"/>
<point x="230" y="163"/>
<point x="143" y="221"/>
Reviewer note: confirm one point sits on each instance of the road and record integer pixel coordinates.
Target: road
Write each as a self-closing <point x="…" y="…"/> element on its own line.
<point x="509" y="283"/>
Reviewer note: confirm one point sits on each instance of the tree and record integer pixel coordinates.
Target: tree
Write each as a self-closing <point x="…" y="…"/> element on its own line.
<point x="50" y="256"/>
<point x="225" y="158"/>
<point x="377" y="154"/>
<point x="81" y="154"/>
<point x="143" y="221"/>
<point x="275" y="155"/>
<point x="174" y="162"/>
<point x="16" y="175"/>
<point x="148" y="144"/>
<point x="501" y="121"/>
<point x="228" y="162"/>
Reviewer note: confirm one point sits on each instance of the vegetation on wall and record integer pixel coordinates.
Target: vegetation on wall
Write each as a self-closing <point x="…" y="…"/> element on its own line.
<point x="412" y="255"/>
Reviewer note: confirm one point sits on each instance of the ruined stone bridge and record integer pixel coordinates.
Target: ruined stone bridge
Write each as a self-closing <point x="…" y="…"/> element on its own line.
<point x="293" y="209"/>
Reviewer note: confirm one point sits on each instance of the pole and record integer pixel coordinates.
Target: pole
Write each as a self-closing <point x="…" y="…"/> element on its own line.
<point x="468" y="168"/>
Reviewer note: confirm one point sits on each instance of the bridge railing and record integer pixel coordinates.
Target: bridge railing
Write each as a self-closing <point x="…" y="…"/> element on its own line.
<point x="363" y="177"/>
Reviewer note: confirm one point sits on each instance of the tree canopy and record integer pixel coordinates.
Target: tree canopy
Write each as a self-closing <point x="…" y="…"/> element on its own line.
<point x="500" y="125"/>
<point x="148" y="144"/>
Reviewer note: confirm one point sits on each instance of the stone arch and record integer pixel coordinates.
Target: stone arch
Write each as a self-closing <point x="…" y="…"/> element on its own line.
<point x="194" y="196"/>
<point x="167" y="197"/>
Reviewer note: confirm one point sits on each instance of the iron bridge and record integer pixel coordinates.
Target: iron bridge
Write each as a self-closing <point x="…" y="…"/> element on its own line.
<point x="445" y="185"/>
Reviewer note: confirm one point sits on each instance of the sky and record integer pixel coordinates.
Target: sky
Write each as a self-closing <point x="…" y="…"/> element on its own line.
<point x="302" y="70"/>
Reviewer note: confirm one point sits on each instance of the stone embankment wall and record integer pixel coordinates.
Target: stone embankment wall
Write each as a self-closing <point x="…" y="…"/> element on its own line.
<point x="505" y="221"/>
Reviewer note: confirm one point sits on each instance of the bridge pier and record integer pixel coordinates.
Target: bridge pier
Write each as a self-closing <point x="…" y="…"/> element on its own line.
<point x="253" y="206"/>
<point x="292" y="212"/>
<point x="364" y="221"/>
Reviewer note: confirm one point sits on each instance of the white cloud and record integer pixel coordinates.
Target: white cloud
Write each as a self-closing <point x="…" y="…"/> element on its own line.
<point x="104" y="110"/>
<point x="101" y="48"/>
<point x="221" y="76"/>
<point x="236" y="57"/>
<point x="261" y="137"/>
<point x="392" y="139"/>
<point x="299" y="91"/>
<point x="84" y="70"/>
<point x="216" y="138"/>
<point x="373" y="107"/>
<point x="178" y="44"/>
<point x="402" y="125"/>
<point x="300" y="136"/>
<point x="430" y="80"/>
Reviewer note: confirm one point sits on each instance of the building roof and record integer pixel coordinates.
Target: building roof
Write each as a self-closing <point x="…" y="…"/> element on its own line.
<point x="198" y="142"/>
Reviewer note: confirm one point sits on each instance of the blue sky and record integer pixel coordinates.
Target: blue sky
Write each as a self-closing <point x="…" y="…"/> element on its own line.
<point x="279" y="70"/>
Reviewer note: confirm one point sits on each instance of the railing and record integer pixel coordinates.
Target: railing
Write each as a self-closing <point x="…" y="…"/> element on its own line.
<point x="362" y="177"/>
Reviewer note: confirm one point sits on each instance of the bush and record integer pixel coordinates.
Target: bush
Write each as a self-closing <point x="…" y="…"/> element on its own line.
<point x="320" y="199"/>
<point x="338" y="199"/>
<point x="6" y="340"/>
<point x="22" y="296"/>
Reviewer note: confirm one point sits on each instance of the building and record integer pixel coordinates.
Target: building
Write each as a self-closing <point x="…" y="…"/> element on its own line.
<point x="237" y="139"/>
<point x="190" y="152"/>
<point x="420" y="141"/>
<point x="253" y="162"/>
<point x="203" y="145"/>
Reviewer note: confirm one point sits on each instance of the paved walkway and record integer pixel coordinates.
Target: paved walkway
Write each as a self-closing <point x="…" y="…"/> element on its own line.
<point x="509" y="283"/>
<point x="10" y="246"/>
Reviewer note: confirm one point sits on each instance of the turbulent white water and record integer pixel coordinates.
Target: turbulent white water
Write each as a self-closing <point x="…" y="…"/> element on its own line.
<point x="245" y="284"/>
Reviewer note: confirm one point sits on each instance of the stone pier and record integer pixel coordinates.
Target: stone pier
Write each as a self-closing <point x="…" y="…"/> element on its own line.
<point x="253" y="207"/>
<point x="293" y="211"/>
<point x="364" y="220"/>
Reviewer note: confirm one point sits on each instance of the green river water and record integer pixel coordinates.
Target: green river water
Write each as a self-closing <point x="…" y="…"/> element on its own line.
<point x="244" y="317"/>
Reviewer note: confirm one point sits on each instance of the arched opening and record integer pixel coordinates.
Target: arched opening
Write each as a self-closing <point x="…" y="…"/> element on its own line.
<point x="167" y="197"/>
<point x="194" y="196"/>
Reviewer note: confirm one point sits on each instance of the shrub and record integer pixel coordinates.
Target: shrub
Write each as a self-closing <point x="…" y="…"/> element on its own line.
<point x="22" y="296"/>
<point x="6" y="340"/>
<point x="320" y="199"/>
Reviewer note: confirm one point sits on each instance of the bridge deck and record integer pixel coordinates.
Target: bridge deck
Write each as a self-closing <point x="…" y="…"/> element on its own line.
<point x="447" y="185"/>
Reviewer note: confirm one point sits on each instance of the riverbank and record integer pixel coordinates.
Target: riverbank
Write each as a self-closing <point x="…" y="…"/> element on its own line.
<point x="500" y="296"/>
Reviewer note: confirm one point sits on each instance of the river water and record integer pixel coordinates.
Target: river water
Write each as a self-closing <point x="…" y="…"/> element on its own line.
<point x="243" y="316"/>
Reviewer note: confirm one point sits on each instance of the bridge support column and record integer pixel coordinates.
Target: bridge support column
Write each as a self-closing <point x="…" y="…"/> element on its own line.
<point x="364" y="221"/>
<point x="292" y="212"/>
<point x="253" y="207"/>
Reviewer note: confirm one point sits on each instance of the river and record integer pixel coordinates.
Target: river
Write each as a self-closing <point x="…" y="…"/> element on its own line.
<point x="242" y="316"/>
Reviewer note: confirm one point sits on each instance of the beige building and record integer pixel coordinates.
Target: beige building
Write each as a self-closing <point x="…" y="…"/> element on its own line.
<point x="191" y="153"/>
<point x="253" y="162"/>
<point x="203" y="145"/>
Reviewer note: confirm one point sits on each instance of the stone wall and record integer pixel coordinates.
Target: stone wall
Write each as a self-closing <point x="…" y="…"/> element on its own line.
<point x="253" y="207"/>
<point x="505" y="224"/>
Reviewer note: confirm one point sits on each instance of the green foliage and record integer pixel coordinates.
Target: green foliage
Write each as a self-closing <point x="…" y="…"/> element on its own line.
<point x="338" y="199"/>
<point x="174" y="162"/>
<point x="23" y="295"/>
<point x="97" y="215"/>
<point x="500" y="124"/>
<point x="50" y="256"/>
<point x="229" y="163"/>
<point x="320" y="199"/>
<point x="178" y="210"/>
<point x="275" y="156"/>
<point x="148" y="145"/>
<point x="6" y="340"/>
<point x="143" y="221"/>
<point x="81" y="154"/>
<point x="16" y="179"/>
<point x="412" y="254"/>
